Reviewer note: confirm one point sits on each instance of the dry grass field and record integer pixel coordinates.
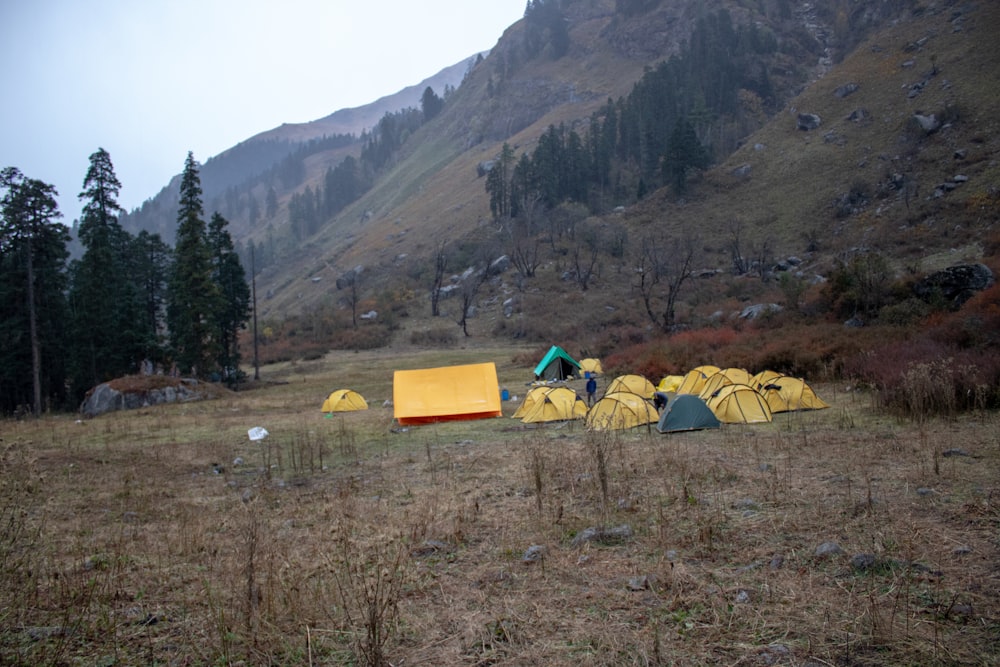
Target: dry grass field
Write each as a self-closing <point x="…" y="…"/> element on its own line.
<point x="164" y="536"/>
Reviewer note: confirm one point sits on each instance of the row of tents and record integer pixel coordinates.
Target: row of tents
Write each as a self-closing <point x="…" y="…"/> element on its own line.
<point x="705" y="397"/>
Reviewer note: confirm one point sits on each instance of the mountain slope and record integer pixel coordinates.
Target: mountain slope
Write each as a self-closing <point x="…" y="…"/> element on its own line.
<point x="867" y="178"/>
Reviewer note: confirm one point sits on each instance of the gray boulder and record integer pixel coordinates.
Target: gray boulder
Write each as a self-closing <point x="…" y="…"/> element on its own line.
<point x="129" y="394"/>
<point x="957" y="284"/>
<point x="808" y="121"/>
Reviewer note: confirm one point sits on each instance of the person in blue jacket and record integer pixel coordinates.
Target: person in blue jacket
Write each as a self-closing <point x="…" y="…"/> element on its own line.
<point x="591" y="390"/>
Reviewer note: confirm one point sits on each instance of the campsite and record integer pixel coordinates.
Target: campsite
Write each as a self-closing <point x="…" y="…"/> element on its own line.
<point x="166" y="536"/>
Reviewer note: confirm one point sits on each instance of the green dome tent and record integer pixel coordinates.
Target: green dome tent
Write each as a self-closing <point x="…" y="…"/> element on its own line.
<point x="556" y="365"/>
<point x="687" y="412"/>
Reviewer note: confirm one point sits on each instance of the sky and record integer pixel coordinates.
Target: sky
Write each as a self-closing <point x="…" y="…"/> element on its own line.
<point x="150" y="80"/>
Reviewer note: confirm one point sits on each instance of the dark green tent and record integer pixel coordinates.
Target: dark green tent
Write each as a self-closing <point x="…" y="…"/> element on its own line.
<point x="686" y="412"/>
<point x="556" y="365"/>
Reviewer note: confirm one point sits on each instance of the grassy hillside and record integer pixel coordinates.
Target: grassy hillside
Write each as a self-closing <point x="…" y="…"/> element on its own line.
<point x="864" y="183"/>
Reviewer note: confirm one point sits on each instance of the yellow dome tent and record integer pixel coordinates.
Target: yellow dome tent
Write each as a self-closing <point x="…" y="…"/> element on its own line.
<point x="558" y="404"/>
<point x="714" y="384"/>
<point x="591" y="365"/>
<point x="788" y="394"/>
<point x="344" y="400"/>
<point x="740" y="404"/>
<point x="633" y="383"/>
<point x="764" y="377"/>
<point x="621" y="410"/>
<point x="695" y="379"/>
<point x="669" y="383"/>
<point x="531" y="399"/>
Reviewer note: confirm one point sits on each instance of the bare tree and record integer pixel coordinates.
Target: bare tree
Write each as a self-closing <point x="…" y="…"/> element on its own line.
<point x="440" y="267"/>
<point x="586" y="247"/>
<point x="662" y="266"/>
<point x="740" y="263"/>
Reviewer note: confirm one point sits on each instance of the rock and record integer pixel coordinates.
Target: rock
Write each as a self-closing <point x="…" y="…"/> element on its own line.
<point x="533" y="554"/>
<point x="808" y="121"/>
<point x="608" y="536"/>
<point x="133" y="392"/>
<point x="929" y="124"/>
<point x="745" y="504"/>
<point x="863" y="562"/>
<point x="640" y="583"/>
<point x="828" y="549"/>
<point x="741" y="171"/>
<point x="956" y="284"/>
<point x="846" y="89"/>
<point x="499" y="265"/>
<point x="759" y="309"/>
<point x="430" y="548"/>
<point x="954" y="451"/>
<point x="962" y="550"/>
<point x="858" y="115"/>
<point x="777" y="562"/>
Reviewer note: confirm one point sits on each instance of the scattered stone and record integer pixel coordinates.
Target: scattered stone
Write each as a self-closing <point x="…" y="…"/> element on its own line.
<point x="775" y="653"/>
<point x="640" y="583"/>
<point x="777" y="562"/>
<point x="846" y="89"/>
<point x="954" y="451"/>
<point x="741" y="171"/>
<point x="430" y="548"/>
<point x="742" y="596"/>
<point x="808" y="121"/>
<point x="962" y="550"/>
<point x="745" y="504"/>
<point x="607" y="536"/>
<point x="924" y="491"/>
<point x="828" y="549"/>
<point x="758" y="310"/>
<point x="863" y="562"/>
<point x="929" y="124"/>
<point x="534" y="553"/>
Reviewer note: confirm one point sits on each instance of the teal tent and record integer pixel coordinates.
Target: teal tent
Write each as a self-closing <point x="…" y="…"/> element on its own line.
<point x="557" y="365"/>
<point x="686" y="412"/>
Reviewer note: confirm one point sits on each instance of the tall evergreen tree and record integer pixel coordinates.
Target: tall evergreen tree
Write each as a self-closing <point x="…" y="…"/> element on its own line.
<point x="105" y="307"/>
<point x="32" y="286"/>
<point x="192" y="295"/>
<point x="234" y="295"/>
<point x="150" y="261"/>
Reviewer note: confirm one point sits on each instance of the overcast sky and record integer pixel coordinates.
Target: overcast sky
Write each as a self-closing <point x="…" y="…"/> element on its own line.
<point x="149" y="80"/>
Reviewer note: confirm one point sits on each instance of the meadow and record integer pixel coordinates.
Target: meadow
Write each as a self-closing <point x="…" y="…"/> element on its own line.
<point x="165" y="536"/>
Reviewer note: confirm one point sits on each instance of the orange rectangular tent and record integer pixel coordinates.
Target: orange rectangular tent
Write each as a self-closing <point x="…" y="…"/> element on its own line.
<point x="447" y="393"/>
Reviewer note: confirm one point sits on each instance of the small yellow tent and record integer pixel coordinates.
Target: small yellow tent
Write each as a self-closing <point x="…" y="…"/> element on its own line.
<point x="670" y="383"/>
<point x="592" y="366"/>
<point x="762" y="378"/>
<point x="447" y="393"/>
<point x="558" y="404"/>
<point x="713" y="384"/>
<point x="531" y="399"/>
<point x="740" y="404"/>
<point x="787" y="394"/>
<point x="695" y="379"/>
<point x="621" y="410"/>
<point x="344" y="400"/>
<point x="737" y="375"/>
<point x="633" y="383"/>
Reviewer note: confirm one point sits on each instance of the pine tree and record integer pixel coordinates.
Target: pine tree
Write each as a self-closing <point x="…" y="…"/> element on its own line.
<point x="32" y="286"/>
<point x="234" y="295"/>
<point x="192" y="295"/>
<point x="105" y="306"/>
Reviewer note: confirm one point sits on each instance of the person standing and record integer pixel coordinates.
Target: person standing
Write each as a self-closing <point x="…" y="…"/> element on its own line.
<point x="591" y="390"/>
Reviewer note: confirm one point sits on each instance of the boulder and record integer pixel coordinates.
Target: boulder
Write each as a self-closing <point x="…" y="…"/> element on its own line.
<point x="133" y="392"/>
<point x="957" y="284"/>
<point x="808" y="121"/>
